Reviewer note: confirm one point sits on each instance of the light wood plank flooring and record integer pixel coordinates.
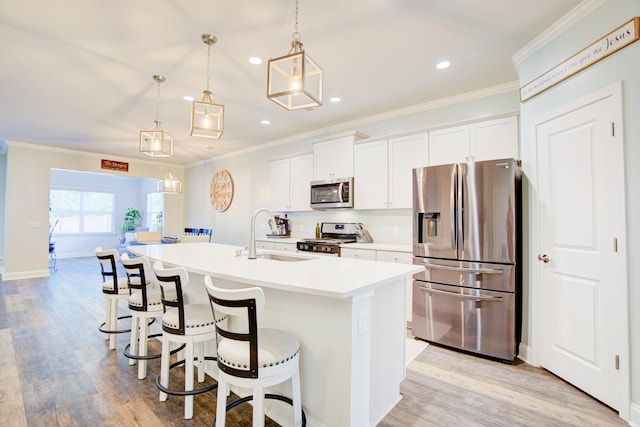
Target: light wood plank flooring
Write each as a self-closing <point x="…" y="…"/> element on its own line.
<point x="56" y="370"/>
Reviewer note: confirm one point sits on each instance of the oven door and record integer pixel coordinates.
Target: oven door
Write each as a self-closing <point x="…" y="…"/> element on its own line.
<point x="473" y="320"/>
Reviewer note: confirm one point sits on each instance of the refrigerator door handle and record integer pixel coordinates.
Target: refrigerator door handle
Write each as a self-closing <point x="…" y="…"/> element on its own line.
<point x="462" y="269"/>
<point x="461" y="296"/>
<point x="452" y="211"/>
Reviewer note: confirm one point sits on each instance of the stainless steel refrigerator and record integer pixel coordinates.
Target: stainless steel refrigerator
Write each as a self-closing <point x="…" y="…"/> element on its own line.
<point x="466" y="234"/>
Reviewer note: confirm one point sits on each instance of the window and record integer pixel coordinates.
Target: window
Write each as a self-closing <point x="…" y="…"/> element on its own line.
<point x="155" y="203"/>
<point x="80" y="212"/>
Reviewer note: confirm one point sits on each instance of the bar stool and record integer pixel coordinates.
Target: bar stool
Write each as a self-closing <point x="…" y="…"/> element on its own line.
<point x="114" y="290"/>
<point x="145" y="304"/>
<point x="253" y="359"/>
<point x="183" y="323"/>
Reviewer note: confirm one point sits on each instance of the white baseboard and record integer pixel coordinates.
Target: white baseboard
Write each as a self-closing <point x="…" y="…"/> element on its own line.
<point x="75" y="254"/>
<point x="634" y="415"/>
<point x="25" y="275"/>
<point x="525" y="353"/>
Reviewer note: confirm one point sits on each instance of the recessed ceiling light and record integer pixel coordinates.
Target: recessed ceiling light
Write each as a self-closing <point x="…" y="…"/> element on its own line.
<point x="335" y="99"/>
<point x="188" y="98"/>
<point x="442" y="65"/>
<point x="265" y="122"/>
<point x="255" y="60"/>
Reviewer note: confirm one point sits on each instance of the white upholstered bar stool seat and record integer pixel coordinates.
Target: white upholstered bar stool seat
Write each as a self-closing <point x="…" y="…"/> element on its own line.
<point x="253" y="358"/>
<point x="114" y="289"/>
<point x="183" y="323"/>
<point x="145" y="302"/>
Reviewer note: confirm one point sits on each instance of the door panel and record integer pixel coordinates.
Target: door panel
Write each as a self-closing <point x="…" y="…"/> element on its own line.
<point x="434" y="205"/>
<point x="581" y="275"/>
<point x="487" y="211"/>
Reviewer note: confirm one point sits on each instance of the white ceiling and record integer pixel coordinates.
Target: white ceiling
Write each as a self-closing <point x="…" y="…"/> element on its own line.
<point x="78" y="74"/>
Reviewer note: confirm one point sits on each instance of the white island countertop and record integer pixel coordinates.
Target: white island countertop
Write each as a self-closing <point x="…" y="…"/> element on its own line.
<point x="332" y="277"/>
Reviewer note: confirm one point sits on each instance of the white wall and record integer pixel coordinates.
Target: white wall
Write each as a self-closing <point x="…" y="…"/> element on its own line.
<point x="26" y="226"/>
<point x="621" y="66"/>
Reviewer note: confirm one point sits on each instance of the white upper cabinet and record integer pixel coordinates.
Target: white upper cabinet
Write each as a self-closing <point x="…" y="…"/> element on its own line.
<point x="289" y="182"/>
<point x="449" y="145"/>
<point x="495" y="139"/>
<point x="371" y="175"/>
<point x="334" y="158"/>
<point x="383" y="171"/>
<point x="485" y="140"/>
<point x="405" y="154"/>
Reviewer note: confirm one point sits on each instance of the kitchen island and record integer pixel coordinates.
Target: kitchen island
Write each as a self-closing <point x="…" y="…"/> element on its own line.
<point x="348" y="315"/>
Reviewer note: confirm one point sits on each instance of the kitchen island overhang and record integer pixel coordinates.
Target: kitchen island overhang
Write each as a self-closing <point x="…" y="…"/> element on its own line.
<point x="349" y="316"/>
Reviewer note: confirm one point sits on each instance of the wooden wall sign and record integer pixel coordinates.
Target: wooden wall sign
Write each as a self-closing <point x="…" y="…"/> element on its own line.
<point x="114" y="166"/>
<point x="622" y="36"/>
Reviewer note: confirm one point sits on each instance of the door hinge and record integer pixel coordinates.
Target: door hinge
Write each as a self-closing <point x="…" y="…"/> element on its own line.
<point x="617" y="362"/>
<point x="613" y="129"/>
<point x="615" y="244"/>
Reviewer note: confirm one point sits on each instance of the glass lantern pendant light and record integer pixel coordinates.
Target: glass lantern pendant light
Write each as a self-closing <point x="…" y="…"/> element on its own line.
<point x="169" y="184"/>
<point x="207" y="118"/>
<point x="294" y="81"/>
<point x="156" y="142"/>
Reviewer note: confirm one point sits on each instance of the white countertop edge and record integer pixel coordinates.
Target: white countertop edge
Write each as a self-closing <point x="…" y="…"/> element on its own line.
<point x="332" y="277"/>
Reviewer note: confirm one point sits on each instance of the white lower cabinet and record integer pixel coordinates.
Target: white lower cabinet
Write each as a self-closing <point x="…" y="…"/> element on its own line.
<point x="358" y="253"/>
<point x="403" y="258"/>
<point x="286" y="247"/>
<point x="265" y="245"/>
<point x="385" y="256"/>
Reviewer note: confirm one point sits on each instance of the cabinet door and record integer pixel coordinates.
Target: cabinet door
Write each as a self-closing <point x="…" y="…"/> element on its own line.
<point x="301" y="173"/>
<point x="371" y="176"/>
<point x="495" y="139"/>
<point x="358" y="253"/>
<point x="323" y="160"/>
<point x="343" y="157"/>
<point x="333" y="159"/>
<point x="286" y="247"/>
<point x="264" y="245"/>
<point x="279" y="184"/>
<point x="450" y="145"/>
<point x="402" y="258"/>
<point x="405" y="153"/>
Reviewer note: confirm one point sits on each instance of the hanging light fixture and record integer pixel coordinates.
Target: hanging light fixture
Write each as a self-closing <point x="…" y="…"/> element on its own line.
<point x="207" y="118"/>
<point x="294" y="81"/>
<point x="156" y="142"/>
<point x="169" y="184"/>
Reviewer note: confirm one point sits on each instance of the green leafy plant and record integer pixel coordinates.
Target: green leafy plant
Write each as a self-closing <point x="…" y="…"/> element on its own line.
<point x="131" y="217"/>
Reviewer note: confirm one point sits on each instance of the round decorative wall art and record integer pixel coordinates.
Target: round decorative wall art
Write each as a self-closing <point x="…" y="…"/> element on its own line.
<point x="221" y="190"/>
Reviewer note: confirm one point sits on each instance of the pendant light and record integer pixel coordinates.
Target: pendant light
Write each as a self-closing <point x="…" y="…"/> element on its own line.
<point x="294" y="81"/>
<point x="169" y="184"/>
<point x="207" y="118"/>
<point x="156" y="142"/>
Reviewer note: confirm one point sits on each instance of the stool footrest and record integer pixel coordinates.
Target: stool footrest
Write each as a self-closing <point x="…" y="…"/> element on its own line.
<point x="102" y="327"/>
<point x="148" y="356"/>
<point x="266" y="396"/>
<point x="185" y="392"/>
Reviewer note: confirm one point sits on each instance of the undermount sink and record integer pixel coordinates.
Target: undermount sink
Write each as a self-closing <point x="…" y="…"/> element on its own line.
<point x="286" y="258"/>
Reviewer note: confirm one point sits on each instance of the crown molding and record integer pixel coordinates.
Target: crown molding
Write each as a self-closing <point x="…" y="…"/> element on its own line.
<point x="559" y="27"/>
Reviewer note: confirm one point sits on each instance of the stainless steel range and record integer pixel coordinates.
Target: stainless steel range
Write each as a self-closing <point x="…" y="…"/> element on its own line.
<point x="332" y="235"/>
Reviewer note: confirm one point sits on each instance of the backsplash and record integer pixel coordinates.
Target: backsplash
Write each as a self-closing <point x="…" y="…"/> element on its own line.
<point x="391" y="226"/>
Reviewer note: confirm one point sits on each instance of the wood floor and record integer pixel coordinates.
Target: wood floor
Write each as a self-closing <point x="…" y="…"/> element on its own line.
<point x="56" y="369"/>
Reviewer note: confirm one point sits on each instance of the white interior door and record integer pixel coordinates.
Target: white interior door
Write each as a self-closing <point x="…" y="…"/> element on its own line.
<point x="582" y="256"/>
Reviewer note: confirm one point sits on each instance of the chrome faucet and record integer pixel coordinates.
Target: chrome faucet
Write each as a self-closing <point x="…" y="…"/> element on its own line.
<point x="252" y="240"/>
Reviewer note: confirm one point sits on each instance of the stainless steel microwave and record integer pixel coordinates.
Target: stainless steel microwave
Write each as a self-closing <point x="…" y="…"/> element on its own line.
<point x="332" y="193"/>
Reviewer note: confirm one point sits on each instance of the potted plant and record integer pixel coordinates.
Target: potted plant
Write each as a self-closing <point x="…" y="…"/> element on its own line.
<point x="131" y="217"/>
